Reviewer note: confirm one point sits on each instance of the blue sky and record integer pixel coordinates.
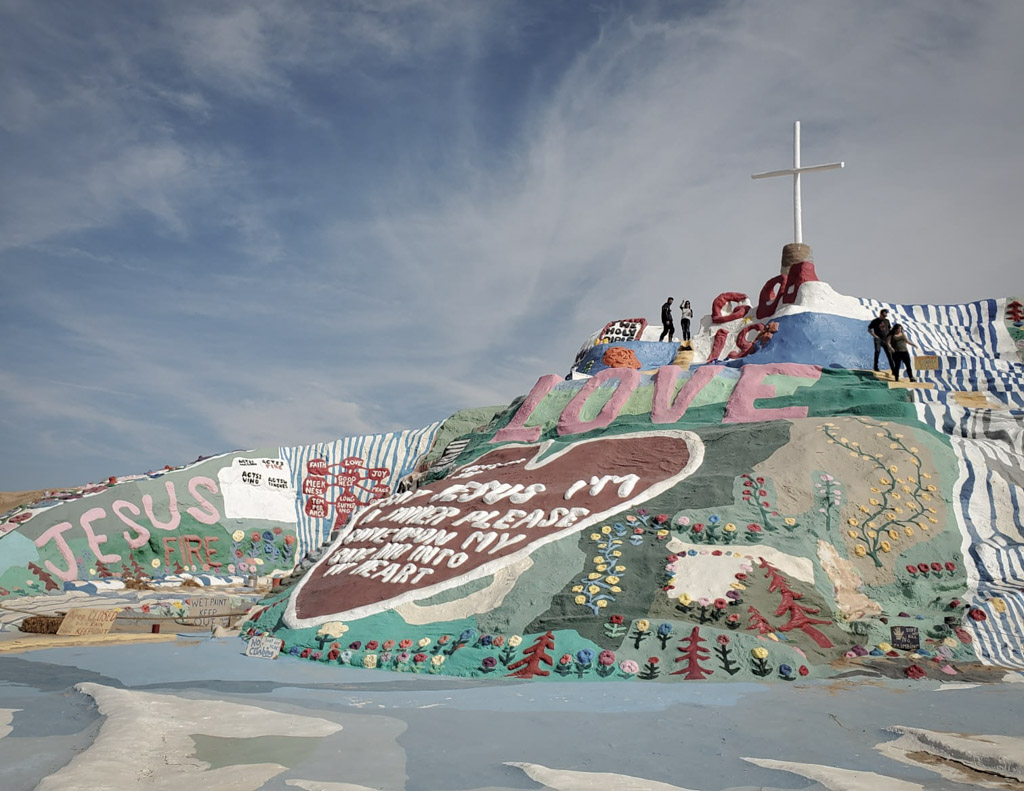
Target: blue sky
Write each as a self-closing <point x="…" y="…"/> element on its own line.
<point x="237" y="225"/>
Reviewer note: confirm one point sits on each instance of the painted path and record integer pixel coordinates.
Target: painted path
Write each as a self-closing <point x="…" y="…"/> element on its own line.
<point x="198" y="712"/>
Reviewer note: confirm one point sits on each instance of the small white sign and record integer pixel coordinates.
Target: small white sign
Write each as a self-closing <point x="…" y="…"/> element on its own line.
<point x="263" y="646"/>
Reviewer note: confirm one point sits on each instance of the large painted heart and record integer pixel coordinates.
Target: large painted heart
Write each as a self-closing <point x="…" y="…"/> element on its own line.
<point x="484" y="516"/>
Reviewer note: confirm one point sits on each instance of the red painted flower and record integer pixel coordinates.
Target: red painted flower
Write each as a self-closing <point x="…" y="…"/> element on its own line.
<point x="734" y="618"/>
<point x="372" y="645"/>
<point x="760" y="480"/>
<point x="388" y="645"/>
<point x="278" y="531"/>
<point x="407" y="643"/>
<point x="950" y="565"/>
<point x="721" y="604"/>
<point x="954" y="604"/>
<point x="355" y="645"/>
<point x="289" y="539"/>
<point x="565" y="660"/>
<point x="914" y="671"/>
<point x="698" y="528"/>
<point x="762" y="493"/>
<point x="723" y="639"/>
<point x="922" y="567"/>
<point x="912" y="569"/>
<point x="661" y="519"/>
<point x="754" y="528"/>
<point x="255" y="536"/>
<point x="936" y="566"/>
<point x="606" y="658"/>
<point x="145" y="608"/>
<point x="740" y="576"/>
<point x="638" y="531"/>
<point x="717" y="553"/>
<point x="305" y="653"/>
<point x="653" y="660"/>
<point x="419" y="658"/>
<point x="977" y="615"/>
<point x="672" y="558"/>
<point x="443" y="639"/>
<point x="803" y="671"/>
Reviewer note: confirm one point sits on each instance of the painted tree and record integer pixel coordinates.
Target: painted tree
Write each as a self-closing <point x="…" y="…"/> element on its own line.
<point x="1015" y="311"/>
<point x="530" y="665"/>
<point x="759" y="622"/>
<point x="798" y="613"/>
<point x="693" y="653"/>
<point x="102" y="571"/>
<point x="45" y="578"/>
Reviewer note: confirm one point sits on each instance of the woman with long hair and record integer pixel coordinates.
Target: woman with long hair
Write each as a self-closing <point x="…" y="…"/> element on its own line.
<point x="898" y="342"/>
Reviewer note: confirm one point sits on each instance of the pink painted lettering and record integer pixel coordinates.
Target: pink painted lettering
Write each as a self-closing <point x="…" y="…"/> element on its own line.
<point x="175" y="520"/>
<point x="569" y="421"/>
<point x="142" y="532"/>
<point x="57" y="534"/>
<point x="666" y="410"/>
<point x="206" y="512"/>
<point x="515" y="431"/>
<point x="94" y="540"/>
<point x="751" y="386"/>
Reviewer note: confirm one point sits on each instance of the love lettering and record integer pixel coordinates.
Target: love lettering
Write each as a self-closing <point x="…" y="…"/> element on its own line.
<point x="740" y="407"/>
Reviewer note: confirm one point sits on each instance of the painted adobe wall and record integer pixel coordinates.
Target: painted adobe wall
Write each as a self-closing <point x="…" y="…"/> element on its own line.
<point x="219" y="519"/>
<point x="769" y="513"/>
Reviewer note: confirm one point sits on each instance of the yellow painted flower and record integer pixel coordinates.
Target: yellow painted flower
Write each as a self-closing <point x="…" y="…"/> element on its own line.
<point x="602" y="603"/>
<point x="894" y="445"/>
<point x="616" y="541"/>
<point x="238" y="535"/>
<point x="370" y="661"/>
<point x="908" y="530"/>
<point x="890" y="515"/>
<point x="602" y="567"/>
<point x="606" y="529"/>
<point x="913" y="450"/>
<point x="643" y="625"/>
<point x="616" y="553"/>
<point x="773" y="636"/>
<point x="593" y="576"/>
<point x="925" y="475"/>
<point x="875" y="501"/>
<point x="855" y="444"/>
<point x="872" y="534"/>
<point x="437" y="660"/>
<point x="515" y="640"/>
<point x="884" y="481"/>
<point x="932" y="511"/>
<point x="925" y="496"/>
<point x="893" y="469"/>
<point x="423" y="642"/>
<point x="852" y="522"/>
<point x="580" y="600"/>
<point x="615" y="589"/>
<point x="612" y="580"/>
<point x="91" y="571"/>
<point x="831" y="442"/>
<point x="685" y="600"/>
<point x="620" y="569"/>
<point x="854" y="453"/>
<point x="885" y="647"/>
<point x="598" y="559"/>
<point x="662" y="532"/>
<point x="923" y="525"/>
<point x="259" y="561"/>
<point x="738" y="586"/>
<point x="886" y="546"/>
<point x="851" y="533"/>
<point x="860" y="551"/>
<point x="949" y="642"/>
<point x="577" y="589"/>
<point x="898" y="436"/>
<point x="897" y="509"/>
<point x="593" y="589"/>
<point x="930" y="487"/>
<point x="997" y="604"/>
<point x="155" y="563"/>
<point x="729" y="528"/>
<point x="880" y="434"/>
<point x="933" y="520"/>
<point x="595" y="536"/>
<point x="872" y="524"/>
<point x="896" y="495"/>
<point x="843" y="439"/>
<point x="875" y="489"/>
<point x="789" y="520"/>
<point x="759" y="653"/>
<point x="894" y="535"/>
<point x="916" y="461"/>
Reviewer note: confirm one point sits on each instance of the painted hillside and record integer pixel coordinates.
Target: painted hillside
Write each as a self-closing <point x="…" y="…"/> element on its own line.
<point x="757" y="504"/>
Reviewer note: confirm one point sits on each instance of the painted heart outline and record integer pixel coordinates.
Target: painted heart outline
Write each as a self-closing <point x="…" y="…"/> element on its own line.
<point x="602" y="476"/>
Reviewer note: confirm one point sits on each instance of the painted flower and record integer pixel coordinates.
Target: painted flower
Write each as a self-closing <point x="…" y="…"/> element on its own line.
<point x="885" y="648"/>
<point x="977" y="615"/>
<point x="721" y="604"/>
<point x="345" y="657"/>
<point x="950" y="565"/>
<point x="606" y="658"/>
<point x="402" y="657"/>
<point x="443" y="639"/>
<point x="499" y="641"/>
<point x="388" y="645"/>
<point x="661" y="519"/>
<point x="643" y="625"/>
<point x="803" y="671"/>
<point x="729" y="528"/>
<point x="723" y="639"/>
<point x="785" y="671"/>
<point x="419" y="658"/>
<point x="665" y="629"/>
<point x="629" y="667"/>
<point x="385" y="657"/>
<point x="686" y="600"/>
<point x="404" y="644"/>
<point x="698" y="528"/>
<point x="566" y="659"/>
<point x="683" y="520"/>
<point x="615" y="619"/>
<point x="372" y="645"/>
<point x="437" y="660"/>
<point x="581" y="599"/>
<point x="278" y="531"/>
<point x="355" y="646"/>
<point x="759" y="653"/>
<point x="370" y="661"/>
<point x="255" y="536"/>
<point x="860" y="551"/>
<point x="584" y="656"/>
<point x="289" y="539"/>
<point x="486" y="640"/>
<point x="936" y="566"/>
<point x="423" y="642"/>
<point x="653" y="660"/>
<point x="912" y="569"/>
<point x="332" y="630"/>
<point x="754" y="528"/>
<point x="238" y="535"/>
<point x="514" y="640"/>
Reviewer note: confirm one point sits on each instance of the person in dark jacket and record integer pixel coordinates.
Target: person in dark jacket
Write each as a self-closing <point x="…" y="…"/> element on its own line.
<point x="668" y="328"/>
<point x="898" y="342"/>
<point x="879" y="330"/>
<point x="684" y="320"/>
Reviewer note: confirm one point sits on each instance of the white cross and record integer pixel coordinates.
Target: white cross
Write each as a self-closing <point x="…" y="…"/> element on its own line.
<point x="795" y="172"/>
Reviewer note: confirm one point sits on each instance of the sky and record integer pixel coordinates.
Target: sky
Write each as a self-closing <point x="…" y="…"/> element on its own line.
<point x="239" y="225"/>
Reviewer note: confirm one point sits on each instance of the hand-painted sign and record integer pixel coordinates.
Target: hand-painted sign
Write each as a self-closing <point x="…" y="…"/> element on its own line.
<point x="263" y="646"/>
<point x="484" y="516"/>
<point x="905" y="638"/>
<point x="203" y="610"/>
<point x="86" y="621"/>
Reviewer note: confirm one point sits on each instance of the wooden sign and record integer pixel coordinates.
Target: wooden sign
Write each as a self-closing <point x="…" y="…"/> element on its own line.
<point x="263" y="646"/>
<point x="926" y="362"/>
<point x="203" y="610"/>
<point x="83" y="621"/>
<point x="905" y="638"/>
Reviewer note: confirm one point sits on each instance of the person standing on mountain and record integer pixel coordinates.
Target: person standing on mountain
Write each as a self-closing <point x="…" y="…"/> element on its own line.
<point x="684" y="320"/>
<point x="899" y="342"/>
<point x="668" y="327"/>
<point x="879" y="329"/>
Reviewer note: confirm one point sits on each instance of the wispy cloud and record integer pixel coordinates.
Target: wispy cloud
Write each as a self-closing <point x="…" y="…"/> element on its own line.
<point x="277" y="222"/>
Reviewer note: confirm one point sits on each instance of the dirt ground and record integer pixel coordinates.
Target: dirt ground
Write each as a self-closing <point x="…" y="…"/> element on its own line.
<point x="9" y="500"/>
